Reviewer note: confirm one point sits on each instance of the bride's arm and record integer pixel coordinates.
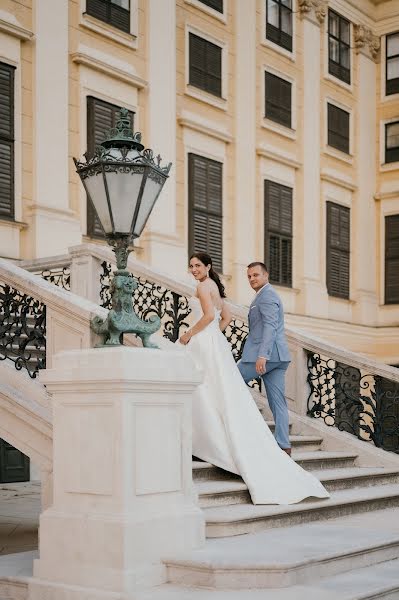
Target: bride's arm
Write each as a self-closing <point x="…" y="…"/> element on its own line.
<point x="204" y="296"/>
<point x="225" y="316"/>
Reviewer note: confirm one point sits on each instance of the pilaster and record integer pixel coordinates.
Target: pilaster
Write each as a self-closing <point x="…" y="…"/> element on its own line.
<point x="245" y="221"/>
<point x="314" y="295"/>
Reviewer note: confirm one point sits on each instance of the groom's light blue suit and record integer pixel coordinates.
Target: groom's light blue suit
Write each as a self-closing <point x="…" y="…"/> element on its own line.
<point x="266" y="339"/>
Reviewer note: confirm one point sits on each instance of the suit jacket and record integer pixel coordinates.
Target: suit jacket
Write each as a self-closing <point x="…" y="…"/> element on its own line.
<point x="266" y="328"/>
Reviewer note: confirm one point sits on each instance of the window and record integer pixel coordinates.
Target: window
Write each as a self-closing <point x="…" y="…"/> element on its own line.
<point x="392" y="64"/>
<point x="338" y="128"/>
<point x="215" y="4"/>
<point x="205" y="200"/>
<point x="279" y="22"/>
<point x="205" y="60"/>
<point x="278" y="99"/>
<point x="6" y="141"/>
<point x="339" y="47"/>
<point x="392" y="259"/>
<point x="113" y="12"/>
<point x="392" y="142"/>
<point x="278" y="232"/>
<point x="338" y="250"/>
<point x="101" y="117"/>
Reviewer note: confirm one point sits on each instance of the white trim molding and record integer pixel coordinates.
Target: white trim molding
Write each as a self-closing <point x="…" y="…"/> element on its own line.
<point x="210" y="11"/>
<point x="197" y="93"/>
<point x="10" y="25"/>
<point x="274" y="153"/>
<point x="205" y="126"/>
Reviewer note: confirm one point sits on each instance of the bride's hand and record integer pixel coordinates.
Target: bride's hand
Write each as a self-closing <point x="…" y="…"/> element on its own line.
<point x="185" y="338"/>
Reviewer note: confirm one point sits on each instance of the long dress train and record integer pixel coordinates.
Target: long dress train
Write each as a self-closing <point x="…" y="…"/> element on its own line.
<point x="229" y="431"/>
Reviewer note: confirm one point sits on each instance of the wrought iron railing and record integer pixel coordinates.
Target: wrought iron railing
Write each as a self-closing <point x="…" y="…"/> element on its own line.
<point x="364" y="404"/>
<point x="171" y="307"/>
<point x="61" y="277"/>
<point x="22" y="330"/>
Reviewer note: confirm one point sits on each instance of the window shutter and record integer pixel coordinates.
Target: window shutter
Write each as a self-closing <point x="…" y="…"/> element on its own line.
<point x="101" y="117"/>
<point x="338" y="128"/>
<point x="206" y="208"/>
<point x="205" y="60"/>
<point x="278" y="232"/>
<point x="392" y="259"/>
<point x="110" y="11"/>
<point x="6" y="140"/>
<point x="279" y="22"/>
<point x="338" y="250"/>
<point x="215" y="4"/>
<point x="278" y="99"/>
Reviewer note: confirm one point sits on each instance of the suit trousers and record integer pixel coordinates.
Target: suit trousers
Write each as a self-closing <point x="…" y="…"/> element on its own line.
<point x="274" y="381"/>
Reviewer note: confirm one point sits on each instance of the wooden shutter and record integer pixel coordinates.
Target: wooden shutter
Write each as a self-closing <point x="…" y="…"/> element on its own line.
<point x="109" y="12"/>
<point x="101" y="117"/>
<point x="205" y="60"/>
<point x="215" y="4"/>
<point x="278" y="99"/>
<point x="392" y="259"/>
<point x="14" y="465"/>
<point x="278" y="232"/>
<point x="6" y="141"/>
<point x="338" y="128"/>
<point x="338" y="250"/>
<point x="205" y="180"/>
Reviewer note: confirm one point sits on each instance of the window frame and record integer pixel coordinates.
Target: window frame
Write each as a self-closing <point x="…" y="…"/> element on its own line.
<point x="396" y="159"/>
<point x="387" y="59"/>
<point x="192" y="209"/>
<point x="10" y="139"/>
<point x="108" y="22"/>
<point x="109" y="30"/>
<point x="271" y="28"/>
<point x="331" y="293"/>
<point x="336" y="74"/>
<point x="346" y="151"/>
<point x="281" y="235"/>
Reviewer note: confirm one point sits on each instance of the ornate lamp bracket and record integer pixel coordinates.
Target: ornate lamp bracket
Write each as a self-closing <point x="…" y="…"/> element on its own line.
<point x="122" y="318"/>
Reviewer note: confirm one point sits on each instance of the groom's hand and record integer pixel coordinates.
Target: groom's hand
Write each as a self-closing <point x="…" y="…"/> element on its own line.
<point x="260" y="366"/>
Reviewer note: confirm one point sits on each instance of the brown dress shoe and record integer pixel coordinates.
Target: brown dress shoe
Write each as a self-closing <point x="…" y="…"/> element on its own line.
<point x="287" y="450"/>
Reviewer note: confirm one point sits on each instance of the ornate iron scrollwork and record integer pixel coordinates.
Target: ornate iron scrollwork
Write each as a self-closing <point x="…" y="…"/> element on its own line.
<point x="365" y="405"/>
<point x="60" y="277"/>
<point x="22" y="330"/>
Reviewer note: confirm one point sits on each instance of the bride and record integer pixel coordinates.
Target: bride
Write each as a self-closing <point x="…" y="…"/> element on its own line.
<point x="228" y="429"/>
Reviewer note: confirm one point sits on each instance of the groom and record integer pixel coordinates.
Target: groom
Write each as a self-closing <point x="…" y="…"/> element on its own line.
<point x="266" y="351"/>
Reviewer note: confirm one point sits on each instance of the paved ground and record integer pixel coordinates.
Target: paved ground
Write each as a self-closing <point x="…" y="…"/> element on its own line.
<point x="19" y="516"/>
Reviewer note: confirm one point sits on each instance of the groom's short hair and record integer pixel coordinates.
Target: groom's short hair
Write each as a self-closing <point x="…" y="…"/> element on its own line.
<point x="257" y="264"/>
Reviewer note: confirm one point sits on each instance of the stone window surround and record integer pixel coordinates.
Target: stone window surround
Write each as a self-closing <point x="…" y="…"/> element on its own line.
<point x="108" y="31"/>
<point x="197" y="93"/>
<point x="329" y="150"/>
<point x="210" y="11"/>
<point x="289" y="132"/>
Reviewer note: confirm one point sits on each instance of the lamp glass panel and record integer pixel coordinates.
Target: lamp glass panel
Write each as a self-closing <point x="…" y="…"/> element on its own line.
<point x="150" y="194"/>
<point x="96" y="190"/>
<point x="124" y="189"/>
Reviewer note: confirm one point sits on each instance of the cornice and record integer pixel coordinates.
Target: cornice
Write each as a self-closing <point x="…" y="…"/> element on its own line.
<point x="83" y="57"/>
<point x="10" y="25"/>
<point x="273" y="154"/>
<point x="207" y="129"/>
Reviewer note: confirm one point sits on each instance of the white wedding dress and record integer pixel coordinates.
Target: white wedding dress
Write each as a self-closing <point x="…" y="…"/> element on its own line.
<point x="229" y="431"/>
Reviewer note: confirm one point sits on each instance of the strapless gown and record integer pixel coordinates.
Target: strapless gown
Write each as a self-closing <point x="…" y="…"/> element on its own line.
<point x="229" y="431"/>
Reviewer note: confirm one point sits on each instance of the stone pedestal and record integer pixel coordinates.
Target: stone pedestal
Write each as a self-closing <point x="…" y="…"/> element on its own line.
<point x="123" y="494"/>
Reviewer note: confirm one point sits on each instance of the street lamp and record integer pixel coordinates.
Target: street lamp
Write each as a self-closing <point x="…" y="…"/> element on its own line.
<point x="123" y="182"/>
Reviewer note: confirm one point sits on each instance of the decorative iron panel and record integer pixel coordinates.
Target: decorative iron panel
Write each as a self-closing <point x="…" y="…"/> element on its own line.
<point x="22" y="330"/>
<point x="60" y="277"/>
<point x="365" y="405"/>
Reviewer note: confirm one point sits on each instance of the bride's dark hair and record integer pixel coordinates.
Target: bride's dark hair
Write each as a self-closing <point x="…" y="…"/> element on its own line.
<point x="207" y="261"/>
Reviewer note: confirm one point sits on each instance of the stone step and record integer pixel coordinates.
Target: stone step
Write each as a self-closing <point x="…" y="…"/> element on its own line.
<point x="222" y="521"/>
<point x="224" y="492"/>
<point x="311" y="461"/>
<point x="380" y="581"/>
<point x="299" y="555"/>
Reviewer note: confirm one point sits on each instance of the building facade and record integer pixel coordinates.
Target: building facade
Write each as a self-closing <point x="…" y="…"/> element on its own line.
<point x="281" y="119"/>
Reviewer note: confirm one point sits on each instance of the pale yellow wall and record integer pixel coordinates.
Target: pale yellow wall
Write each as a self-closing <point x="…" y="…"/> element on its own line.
<point x="123" y="69"/>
